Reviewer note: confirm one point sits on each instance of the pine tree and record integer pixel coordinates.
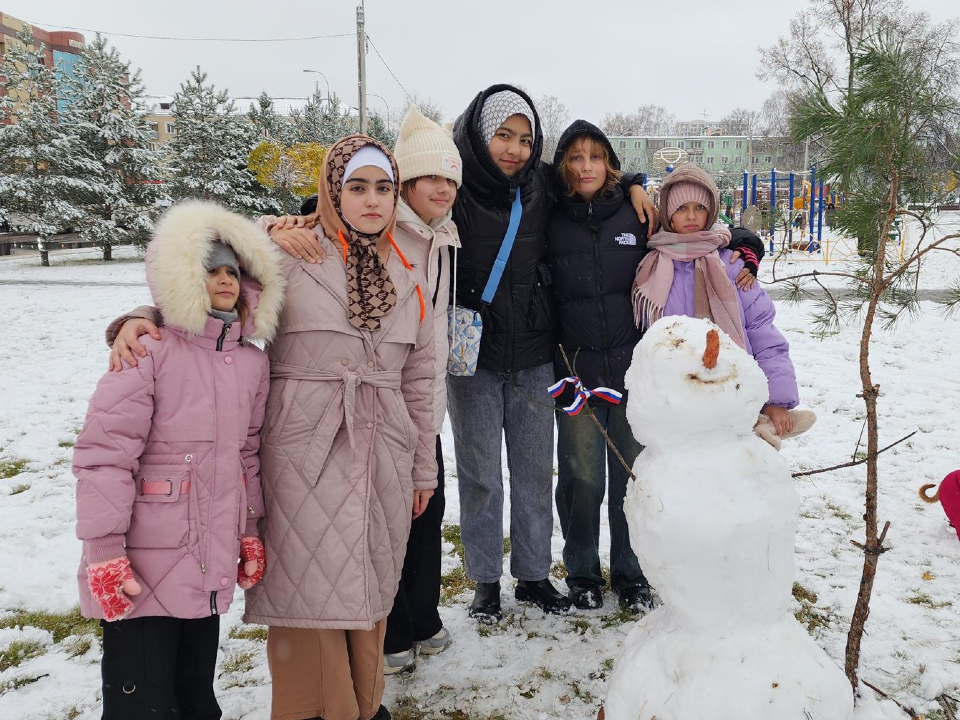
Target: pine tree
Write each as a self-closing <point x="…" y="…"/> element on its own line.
<point x="321" y="121"/>
<point x="268" y="123"/>
<point x="107" y="116"/>
<point x="378" y="129"/>
<point x="208" y="155"/>
<point x="43" y="165"/>
<point x="884" y="134"/>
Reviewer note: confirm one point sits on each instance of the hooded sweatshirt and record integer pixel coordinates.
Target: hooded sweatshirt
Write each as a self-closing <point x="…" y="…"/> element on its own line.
<point x="167" y="464"/>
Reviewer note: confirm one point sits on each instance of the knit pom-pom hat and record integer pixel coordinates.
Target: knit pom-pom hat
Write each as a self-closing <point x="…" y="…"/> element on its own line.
<point x="425" y="148"/>
<point x="685" y="192"/>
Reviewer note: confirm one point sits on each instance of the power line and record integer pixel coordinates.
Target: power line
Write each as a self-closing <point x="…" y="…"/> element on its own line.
<point x="409" y="96"/>
<point x="194" y="39"/>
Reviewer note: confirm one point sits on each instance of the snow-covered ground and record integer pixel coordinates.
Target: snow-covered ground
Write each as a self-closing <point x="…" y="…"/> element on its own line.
<point x="530" y="666"/>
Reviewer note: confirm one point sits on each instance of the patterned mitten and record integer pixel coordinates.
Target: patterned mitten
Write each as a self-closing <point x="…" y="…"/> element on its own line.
<point x="110" y="582"/>
<point x="253" y="561"/>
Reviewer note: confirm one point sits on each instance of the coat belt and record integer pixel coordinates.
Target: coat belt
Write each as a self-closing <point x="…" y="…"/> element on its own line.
<point x="340" y="409"/>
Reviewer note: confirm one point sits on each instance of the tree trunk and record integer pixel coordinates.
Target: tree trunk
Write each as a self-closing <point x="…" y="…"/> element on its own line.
<point x="108" y="252"/>
<point x="44" y="253"/>
<point x="872" y="547"/>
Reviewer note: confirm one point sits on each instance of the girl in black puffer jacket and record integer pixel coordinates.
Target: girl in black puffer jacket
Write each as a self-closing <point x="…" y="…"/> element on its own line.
<point x="595" y="243"/>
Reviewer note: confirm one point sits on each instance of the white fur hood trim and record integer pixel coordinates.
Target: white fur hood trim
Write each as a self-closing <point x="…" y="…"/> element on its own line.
<point x="177" y="277"/>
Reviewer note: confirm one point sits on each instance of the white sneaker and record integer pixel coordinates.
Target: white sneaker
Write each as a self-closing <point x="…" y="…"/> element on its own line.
<point x="394" y="663"/>
<point x="436" y="644"/>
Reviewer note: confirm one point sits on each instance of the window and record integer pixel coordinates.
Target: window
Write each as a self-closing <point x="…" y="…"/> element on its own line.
<point x="754" y="159"/>
<point x="170" y="128"/>
<point x="679" y="143"/>
<point x="726" y="144"/>
<point x="154" y="146"/>
<point x="725" y="159"/>
<point x="154" y="130"/>
<point x="697" y="144"/>
<point x="710" y="160"/>
<point x="636" y="144"/>
<point x="739" y="158"/>
<point x="767" y="159"/>
<point x="623" y="144"/>
<point x="656" y="144"/>
<point x="709" y="144"/>
<point x="698" y="159"/>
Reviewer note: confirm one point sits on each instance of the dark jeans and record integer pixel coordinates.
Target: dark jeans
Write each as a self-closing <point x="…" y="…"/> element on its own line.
<point x="584" y="462"/>
<point x="414" y="615"/>
<point x="160" y="668"/>
<point x="486" y="410"/>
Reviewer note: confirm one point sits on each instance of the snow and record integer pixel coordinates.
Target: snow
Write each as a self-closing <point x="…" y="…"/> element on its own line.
<point x="528" y="666"/>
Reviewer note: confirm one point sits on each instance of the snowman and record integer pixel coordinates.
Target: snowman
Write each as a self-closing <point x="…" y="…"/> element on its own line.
<point x="712" y="516"/>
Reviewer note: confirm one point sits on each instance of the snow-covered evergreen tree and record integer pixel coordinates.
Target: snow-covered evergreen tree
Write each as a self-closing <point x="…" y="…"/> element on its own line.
<point x="378" y="128"/>
<point x="107" y="116"/>
<point x="43" y="166"/>
<point x="208" y="155"/>
<point x="270" y="126"/>
<point x="322" y="120"/>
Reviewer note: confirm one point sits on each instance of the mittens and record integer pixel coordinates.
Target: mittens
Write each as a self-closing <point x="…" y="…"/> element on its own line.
<point x="253" y="561"/>
<point x="110" y="582"/>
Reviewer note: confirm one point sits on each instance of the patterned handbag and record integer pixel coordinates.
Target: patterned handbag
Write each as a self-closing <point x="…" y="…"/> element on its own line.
<point x="465" y="326"/>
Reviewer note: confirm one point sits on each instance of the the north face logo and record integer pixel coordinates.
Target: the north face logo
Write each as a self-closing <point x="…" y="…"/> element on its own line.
<point x="626" y="239"/>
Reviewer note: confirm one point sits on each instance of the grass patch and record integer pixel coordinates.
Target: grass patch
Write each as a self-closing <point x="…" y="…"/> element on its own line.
<point x="60" y="625"/>
<point x="617" y="618"/>
<point x="76" y="647"/>
<point x="249" y="632"/>
<point x="406" y="707"/>
<point x="809" y="615"/>
<point x="18" y="651"/>
<point x="558" y="570"/>
<point x="11" y="468"/>
<point x="19" y="682"/>
<point x="17" y="489"/>
<point x="838" y="512"/>
<point x="922" y="598"/>
<point x="456" y="581"/>
<point x="580" y="625"/>
<point x="237" y="663"/>
<point x="65" y="444"/>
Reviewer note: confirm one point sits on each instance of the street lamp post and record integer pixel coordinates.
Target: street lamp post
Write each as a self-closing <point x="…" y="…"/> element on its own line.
<point x="387" y="106"/>
<point x="327" y="82"/>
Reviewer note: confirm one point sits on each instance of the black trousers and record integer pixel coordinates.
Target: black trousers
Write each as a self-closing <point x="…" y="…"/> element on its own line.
<point x="160" y="668"/>
<point x="414" y="615"/>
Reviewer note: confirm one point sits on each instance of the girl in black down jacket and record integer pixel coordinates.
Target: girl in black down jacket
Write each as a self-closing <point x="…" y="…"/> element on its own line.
<point x="595" y="243"/>
<point x="500" y="140"/>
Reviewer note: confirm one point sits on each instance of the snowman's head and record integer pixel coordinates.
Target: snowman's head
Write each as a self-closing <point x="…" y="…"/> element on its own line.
<point x="681" y="389"/>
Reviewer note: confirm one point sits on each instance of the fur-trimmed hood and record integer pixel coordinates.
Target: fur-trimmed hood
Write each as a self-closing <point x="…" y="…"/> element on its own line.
<point x="177" y="277"/>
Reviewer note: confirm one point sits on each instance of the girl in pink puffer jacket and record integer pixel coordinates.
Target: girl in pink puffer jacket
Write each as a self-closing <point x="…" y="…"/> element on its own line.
<point x="168" y="491"/>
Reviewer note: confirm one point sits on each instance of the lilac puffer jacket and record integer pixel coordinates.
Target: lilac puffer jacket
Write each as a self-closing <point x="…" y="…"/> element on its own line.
<point x="167" y="464"/>
<point x="757" y="312"/>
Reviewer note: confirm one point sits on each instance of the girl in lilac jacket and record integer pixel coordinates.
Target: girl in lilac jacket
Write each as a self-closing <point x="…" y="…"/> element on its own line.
<point x="168" y="475"/>
<point x="688" y="273"/>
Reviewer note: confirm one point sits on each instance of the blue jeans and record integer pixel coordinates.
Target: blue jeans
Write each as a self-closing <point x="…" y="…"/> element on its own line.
<point x="484" y="409"/>
<point x="585" y="461"/>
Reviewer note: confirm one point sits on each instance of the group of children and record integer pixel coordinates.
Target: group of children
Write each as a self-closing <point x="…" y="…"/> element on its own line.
<point x="316" y="467"/>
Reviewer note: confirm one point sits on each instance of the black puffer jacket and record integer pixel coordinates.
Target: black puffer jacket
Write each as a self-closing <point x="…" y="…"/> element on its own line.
<point x="520" y="325"/>
<point x="593" y="253"/>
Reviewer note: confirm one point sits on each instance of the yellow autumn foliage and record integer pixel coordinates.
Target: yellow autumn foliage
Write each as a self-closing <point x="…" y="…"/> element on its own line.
<point x="295" y="168"/>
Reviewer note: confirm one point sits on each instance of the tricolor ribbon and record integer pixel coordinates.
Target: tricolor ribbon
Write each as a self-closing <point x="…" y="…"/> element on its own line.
<point x="582" y="394"/>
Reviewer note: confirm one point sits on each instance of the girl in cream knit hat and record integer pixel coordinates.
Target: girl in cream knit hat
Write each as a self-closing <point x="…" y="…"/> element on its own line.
<point x="430" y="175"/>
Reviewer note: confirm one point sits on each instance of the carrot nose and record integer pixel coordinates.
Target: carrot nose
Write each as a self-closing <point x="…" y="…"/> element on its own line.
<point x="712" y="352"/>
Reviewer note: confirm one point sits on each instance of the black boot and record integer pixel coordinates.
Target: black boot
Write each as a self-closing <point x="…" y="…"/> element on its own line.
<point x="586" y="596"/>
<point x="542" y="594"/>
<point x="486" y="603"/>
<point x="382" y="714"/>
<point x="636" y="599"/>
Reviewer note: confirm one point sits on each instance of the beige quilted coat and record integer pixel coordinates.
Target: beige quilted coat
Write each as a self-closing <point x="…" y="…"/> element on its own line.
<point x="348" y="435"/>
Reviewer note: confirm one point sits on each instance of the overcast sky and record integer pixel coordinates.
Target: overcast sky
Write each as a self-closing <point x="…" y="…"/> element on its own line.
<point x="694" y="57"/>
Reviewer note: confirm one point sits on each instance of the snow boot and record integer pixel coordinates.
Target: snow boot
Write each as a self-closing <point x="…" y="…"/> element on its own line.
<point x="586" y="596"/>
<point x="636" y="599"/>
<point x="486" y="603"/>
<point x="543" y="594"/>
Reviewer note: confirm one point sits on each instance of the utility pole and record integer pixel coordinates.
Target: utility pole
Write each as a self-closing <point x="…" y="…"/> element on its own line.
<point x="362" y="69"/>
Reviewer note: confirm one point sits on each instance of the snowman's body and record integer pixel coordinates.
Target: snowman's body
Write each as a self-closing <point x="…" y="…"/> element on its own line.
<point x="712" y="516"/>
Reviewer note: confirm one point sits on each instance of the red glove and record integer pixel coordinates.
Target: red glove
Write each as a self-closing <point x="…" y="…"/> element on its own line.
<point x="253" y="561"/>
<point x="110" y="582"/>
